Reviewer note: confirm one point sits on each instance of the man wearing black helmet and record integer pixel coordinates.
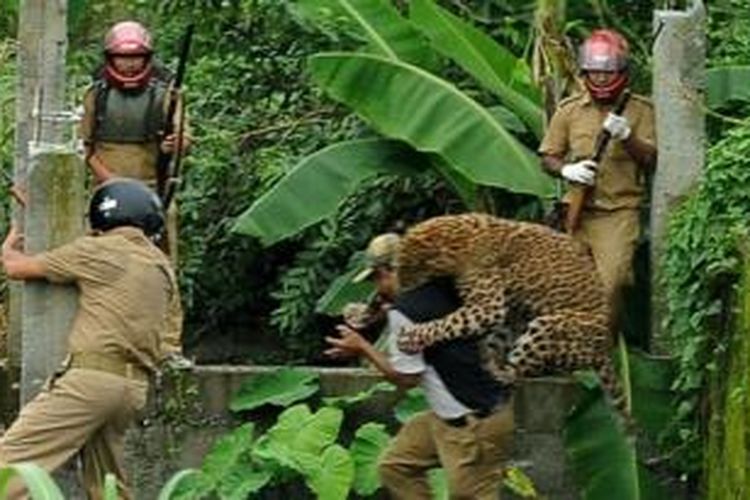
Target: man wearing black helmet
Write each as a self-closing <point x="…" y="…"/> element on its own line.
<point x="127" y="298"/>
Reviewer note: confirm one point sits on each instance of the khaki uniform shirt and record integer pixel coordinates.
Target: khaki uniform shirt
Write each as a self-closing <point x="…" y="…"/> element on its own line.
<point x="136" y="161"/>
<point x="128" y="294"/>
<point x="572" y="136"/>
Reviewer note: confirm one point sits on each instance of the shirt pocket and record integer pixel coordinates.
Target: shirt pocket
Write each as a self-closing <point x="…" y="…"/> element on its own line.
<point x="581" y="144"/>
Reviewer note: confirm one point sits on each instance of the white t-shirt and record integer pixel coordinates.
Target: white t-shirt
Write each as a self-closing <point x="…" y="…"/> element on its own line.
<point x="440" y="399"/>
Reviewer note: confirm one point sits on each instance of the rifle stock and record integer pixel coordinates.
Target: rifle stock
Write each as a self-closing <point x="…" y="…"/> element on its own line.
<point x="580" y="193"/>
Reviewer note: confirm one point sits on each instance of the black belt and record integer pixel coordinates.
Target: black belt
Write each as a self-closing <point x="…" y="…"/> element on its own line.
<point x="463" y="421"/>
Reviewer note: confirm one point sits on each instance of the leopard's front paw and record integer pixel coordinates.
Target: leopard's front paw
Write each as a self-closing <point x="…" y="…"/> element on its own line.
<point x="410" y="340"/>
<point x="506" y="375"/>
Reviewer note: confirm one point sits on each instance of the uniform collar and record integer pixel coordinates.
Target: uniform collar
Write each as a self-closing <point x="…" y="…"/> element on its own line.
<point x="129" y="232"/>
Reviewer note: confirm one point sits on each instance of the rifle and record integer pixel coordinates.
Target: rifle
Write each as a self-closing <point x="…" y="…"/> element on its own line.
<point x="579" y="194"/>
<point x="166" y="169"/>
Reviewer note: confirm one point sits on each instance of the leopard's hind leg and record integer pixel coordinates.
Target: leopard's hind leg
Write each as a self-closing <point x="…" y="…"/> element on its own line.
<point x="564" y="342"/>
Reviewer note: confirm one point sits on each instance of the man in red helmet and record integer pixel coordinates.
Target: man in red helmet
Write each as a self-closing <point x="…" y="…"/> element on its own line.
<point x="609" y="222"/>
<point x="124" y="114"/>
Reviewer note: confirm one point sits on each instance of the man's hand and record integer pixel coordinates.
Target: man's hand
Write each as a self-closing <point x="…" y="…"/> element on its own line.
<point x="13" y="240"/>
<point x="17" y="264"/>
<point x="350" y="343"/>
<point x="582" y="172"/>
<point x="169" y="144"/>
<point x="99" y="169"/>
<point x="618" y="126"/>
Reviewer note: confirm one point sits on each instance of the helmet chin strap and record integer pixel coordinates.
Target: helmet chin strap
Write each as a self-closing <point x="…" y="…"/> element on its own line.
<point x="117" y="79"/>
<point x="607" y="93"/>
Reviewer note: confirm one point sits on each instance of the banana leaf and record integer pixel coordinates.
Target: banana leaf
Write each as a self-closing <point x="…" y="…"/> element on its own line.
<point x="602" y="456"/>
<point x="377" y="22"/>
<point x="726" y="84"/>
<point x="405" y="102"/>
<point x="490" y="63"/>
<point x="315" y="187"/>
<point x="344" y="291"/>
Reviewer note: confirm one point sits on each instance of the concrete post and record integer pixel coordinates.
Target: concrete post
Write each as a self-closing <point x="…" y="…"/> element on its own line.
<point x="40" y="97"/>
<point x="679" y="81"/>
<point x="54" y="217"/>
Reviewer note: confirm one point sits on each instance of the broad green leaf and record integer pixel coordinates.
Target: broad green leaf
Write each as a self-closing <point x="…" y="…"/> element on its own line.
<point x="407" y="103"/>
<point x="479" y="55"/>
<point x="332" y="480"/>
<point x="370" y="441"/>
<point x="282" y="388"/>
<point x="177" y="483"/>
<point x="601" y="455"/>
<point x="377" y="22"/>
<point x="39" y="483"/>
<point x="651" y="379"/>
<point x="314" y="188"/>
<point x="726" y="84"/>
<point x="299" y="437"/>
<point x="345" y="402"/>
<point x="508" y="119"/>
<point x="344" y="291"/>
<point x="413" y="402"/>
<point x="240" y="481"/>
<point x="227" y="451"/>
<point x="519" y="483"/>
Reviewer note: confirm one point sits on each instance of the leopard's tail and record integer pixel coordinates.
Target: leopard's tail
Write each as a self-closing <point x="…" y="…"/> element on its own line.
<point x="613" y="388"/>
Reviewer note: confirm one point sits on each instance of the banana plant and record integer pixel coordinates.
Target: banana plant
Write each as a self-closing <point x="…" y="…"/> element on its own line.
<point x="390" y="84"/>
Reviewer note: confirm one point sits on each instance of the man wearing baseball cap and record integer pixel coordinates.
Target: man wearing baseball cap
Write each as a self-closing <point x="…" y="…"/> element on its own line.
<point x="468" y="428"/>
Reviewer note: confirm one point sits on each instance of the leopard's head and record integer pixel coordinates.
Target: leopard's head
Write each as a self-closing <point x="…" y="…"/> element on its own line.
<point x="432" y="249"/>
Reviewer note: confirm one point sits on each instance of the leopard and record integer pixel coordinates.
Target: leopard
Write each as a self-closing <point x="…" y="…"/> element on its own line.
<point x="530" y="294"/>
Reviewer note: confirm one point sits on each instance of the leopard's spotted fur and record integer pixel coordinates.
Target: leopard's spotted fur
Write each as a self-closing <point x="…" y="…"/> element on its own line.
<point x="535" y="290"/>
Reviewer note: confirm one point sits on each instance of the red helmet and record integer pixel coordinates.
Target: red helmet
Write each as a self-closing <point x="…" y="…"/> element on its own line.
<point x="608" y="51"/>
<point x="128" y="38"/>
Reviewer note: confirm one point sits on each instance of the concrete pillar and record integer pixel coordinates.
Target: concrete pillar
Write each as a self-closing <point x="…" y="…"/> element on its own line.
<point x="40" y="98"/>
<point x="54" y="216"/>
<point x="679" y="81"/>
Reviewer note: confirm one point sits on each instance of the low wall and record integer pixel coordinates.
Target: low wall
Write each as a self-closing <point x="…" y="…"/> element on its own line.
<point x="184" y="420"/>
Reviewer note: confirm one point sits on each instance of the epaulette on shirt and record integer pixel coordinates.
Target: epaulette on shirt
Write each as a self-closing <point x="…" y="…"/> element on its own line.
<point x="571" y="99"/>
<point x="642" y="99"/>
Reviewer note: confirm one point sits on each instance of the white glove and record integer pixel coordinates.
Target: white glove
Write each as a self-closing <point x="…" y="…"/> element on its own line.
<point x="582" y="172"/>
<point x="618" y="126"/>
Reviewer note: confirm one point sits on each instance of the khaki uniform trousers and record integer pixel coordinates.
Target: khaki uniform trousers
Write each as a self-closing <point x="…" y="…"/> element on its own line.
<point x="82" y="410"/>
<point x="473" y="456"/>
<point x="612" y="237"/>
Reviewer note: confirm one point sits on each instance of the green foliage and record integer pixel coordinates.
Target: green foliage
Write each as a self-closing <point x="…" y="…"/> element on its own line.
<point x="373" y="208"/>
<point x="727" y="84"/>
<point x="368" y="445"/>
<point x="110" y="487"/>
<point x="727" y="446"/>
<point x="602" y="457"/>
<point x="407" y="103"/>
<point x="377" y="23"/>
<point x="413" y="402"/>
<point x="519" y="483"/>
<point x="327" y="178"/>
<point x="501" y="72"/>
<point x="345" y="402"/>
<point x="702" y="269"/>
<point x="280" y="387"/>
<point x="38" y="482"/>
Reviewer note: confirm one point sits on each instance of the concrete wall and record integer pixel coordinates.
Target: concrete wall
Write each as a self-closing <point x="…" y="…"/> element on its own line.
<point x="183" y="422"/>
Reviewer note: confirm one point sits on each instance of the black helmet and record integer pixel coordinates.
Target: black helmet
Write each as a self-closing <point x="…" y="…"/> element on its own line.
<point x="126" y="202"/>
